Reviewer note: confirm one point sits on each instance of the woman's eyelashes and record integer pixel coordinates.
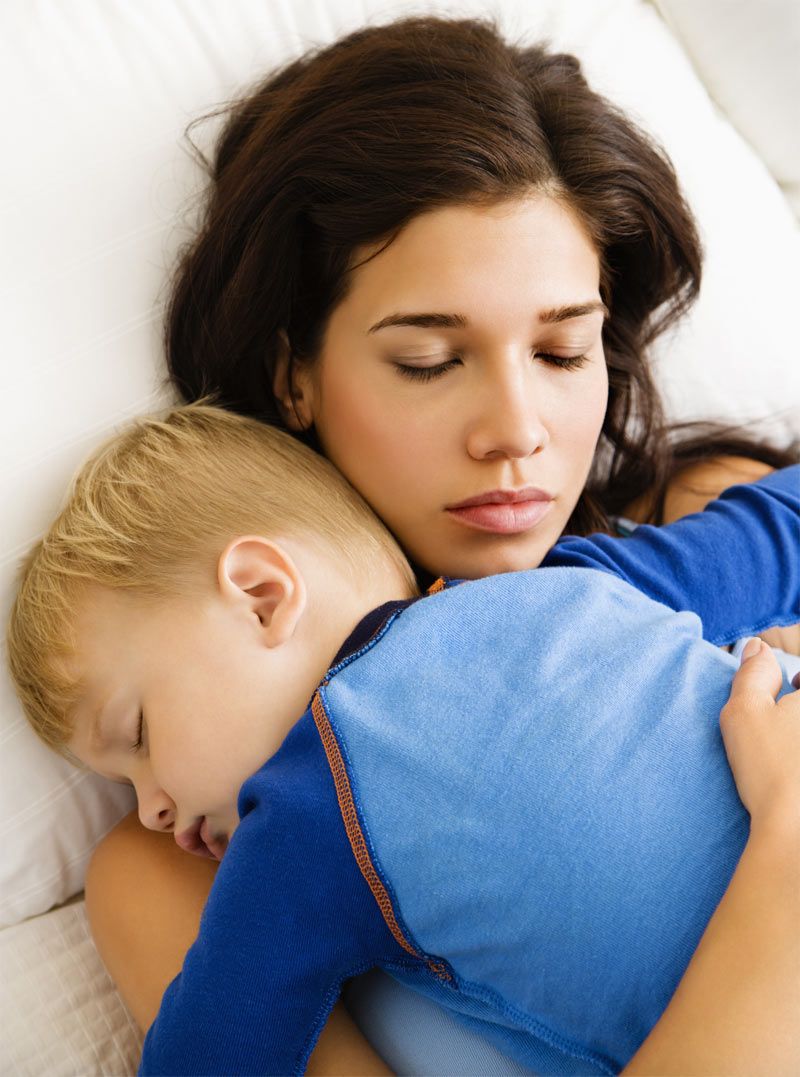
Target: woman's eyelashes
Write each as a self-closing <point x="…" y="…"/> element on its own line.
<point x="428" y="373"/>
<point x="563" y="362"/>
<point x="138" y="743"/>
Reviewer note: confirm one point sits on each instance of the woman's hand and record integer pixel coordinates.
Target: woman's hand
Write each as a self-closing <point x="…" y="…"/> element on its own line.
<point x="735" y="1010"/>
<point x="762" y="738"/>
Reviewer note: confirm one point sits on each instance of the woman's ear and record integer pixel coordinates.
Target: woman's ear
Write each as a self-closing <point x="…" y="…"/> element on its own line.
<point x="261" y="580"/>
<point x="292" y="387"/>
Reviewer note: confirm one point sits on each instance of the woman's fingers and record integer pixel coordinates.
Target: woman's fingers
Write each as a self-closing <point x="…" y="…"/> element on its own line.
<point x="762" y="735"/>
<point x="758" y="676"/>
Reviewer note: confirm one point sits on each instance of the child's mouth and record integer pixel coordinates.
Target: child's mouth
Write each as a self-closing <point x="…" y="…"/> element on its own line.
<point x="216" y="846"/>
<point x="199" y="841"/>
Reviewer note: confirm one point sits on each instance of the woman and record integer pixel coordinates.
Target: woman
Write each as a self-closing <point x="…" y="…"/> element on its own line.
<point x="440" y="259"/>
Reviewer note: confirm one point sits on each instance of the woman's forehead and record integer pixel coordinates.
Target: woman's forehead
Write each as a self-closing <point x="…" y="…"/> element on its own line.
<point x="532" y="252"/>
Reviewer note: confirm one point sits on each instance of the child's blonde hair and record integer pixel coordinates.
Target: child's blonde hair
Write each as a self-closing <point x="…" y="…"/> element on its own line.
<point x="151" y="511"/>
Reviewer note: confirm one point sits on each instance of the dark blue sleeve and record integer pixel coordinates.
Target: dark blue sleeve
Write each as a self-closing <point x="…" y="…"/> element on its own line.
<point x="736" y="564"/>
<point x="289" y="918"/>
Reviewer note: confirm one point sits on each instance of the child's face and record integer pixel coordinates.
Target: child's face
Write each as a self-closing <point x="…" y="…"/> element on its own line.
<point x="204" y="679"/>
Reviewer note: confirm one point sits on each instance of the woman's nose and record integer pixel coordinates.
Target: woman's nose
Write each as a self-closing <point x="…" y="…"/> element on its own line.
<point x="509" y="421"/>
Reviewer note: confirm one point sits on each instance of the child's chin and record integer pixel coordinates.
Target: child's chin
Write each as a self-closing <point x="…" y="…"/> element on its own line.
<point x="214" y="845"/>
<point x="215" y="848"/>
<point x="204" y="852"/>
<point x="218" y="848"/>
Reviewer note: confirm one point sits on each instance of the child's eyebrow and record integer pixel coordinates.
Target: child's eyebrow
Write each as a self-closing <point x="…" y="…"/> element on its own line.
<point x="99" y="741"/>
<point x="97" y="735"/>
<point x="121" y="781"/>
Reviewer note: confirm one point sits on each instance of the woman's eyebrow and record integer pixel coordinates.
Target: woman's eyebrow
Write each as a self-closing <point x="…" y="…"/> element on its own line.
<point x="574" y="310"/>
<point x="458" y="321"/>
<point x="422" y="321"/>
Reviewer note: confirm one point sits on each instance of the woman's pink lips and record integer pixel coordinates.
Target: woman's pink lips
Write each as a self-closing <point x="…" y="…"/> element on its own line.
<point x="503" y="518"/>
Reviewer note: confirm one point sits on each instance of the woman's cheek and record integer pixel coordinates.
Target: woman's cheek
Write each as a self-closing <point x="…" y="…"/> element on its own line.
<point x="375" y="438"/>
<point x="587" y="409"/>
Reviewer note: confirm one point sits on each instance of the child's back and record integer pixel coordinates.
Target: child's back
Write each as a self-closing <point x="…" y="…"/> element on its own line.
<point x="514" y="795"/>
<point x="553" y="810"/>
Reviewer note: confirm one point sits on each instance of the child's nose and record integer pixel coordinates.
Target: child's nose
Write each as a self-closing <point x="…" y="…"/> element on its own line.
<point x="156" y="811"/>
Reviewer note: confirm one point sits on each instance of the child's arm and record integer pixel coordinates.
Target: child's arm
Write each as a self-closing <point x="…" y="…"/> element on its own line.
<point x="692" y="489"/>
<point x="736" y="1008"/>
<point x="143" y="942"/>
<point x="289" y="918"/>
<point x="736" y="564"/>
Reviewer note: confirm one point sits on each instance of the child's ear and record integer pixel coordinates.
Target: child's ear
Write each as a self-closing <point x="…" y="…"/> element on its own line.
<point x="262" y="580"/>
<point x="293" y="389"/>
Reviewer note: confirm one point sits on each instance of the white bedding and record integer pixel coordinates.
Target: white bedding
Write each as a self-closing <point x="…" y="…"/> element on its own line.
<point x="61" y="1014"/>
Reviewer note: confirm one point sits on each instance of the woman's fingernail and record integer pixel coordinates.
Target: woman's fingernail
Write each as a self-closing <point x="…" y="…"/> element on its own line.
<point x="796" y="681"/>
<point x="751" y="648"/>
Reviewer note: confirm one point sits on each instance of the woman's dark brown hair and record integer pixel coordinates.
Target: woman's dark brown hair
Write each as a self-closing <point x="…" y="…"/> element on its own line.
<point x="344" y="146"/>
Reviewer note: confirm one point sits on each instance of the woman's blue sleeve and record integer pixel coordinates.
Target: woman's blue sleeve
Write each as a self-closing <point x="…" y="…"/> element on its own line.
<point x="736" y="564"/>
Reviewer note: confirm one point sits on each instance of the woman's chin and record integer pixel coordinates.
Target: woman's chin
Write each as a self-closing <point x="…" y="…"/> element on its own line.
<point x="494" y="564"/>
<point x="513" y="553"/>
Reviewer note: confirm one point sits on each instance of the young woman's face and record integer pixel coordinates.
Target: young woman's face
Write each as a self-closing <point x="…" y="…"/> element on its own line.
<point x="466" y="363"/>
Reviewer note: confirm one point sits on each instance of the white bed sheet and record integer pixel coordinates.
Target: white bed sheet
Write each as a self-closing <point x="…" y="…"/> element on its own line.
<point x="61" y="1014"/>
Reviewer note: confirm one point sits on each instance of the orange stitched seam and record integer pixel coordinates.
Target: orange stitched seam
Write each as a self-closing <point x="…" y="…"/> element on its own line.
<point x="347" y="807"/>
<point x="344" y="795"/>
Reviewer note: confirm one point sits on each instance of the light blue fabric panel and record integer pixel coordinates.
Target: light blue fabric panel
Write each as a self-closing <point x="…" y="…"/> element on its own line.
<point x="416" y="1036"/>
<point x="551" y="806"/>
<point x="514" y="1044"/>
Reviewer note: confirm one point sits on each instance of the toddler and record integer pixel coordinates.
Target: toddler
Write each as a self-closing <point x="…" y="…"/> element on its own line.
<point x="511" y="793"/>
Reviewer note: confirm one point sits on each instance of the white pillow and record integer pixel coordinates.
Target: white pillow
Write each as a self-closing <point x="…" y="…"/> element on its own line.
<point x="747" y="55"/>
<point x="95" y="189"/>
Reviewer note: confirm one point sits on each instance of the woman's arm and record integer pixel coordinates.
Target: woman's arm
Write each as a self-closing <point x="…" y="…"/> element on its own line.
<point x="692" y="489"/>
<point x="736" y="1008"/>
<point x="342" y="1049"/>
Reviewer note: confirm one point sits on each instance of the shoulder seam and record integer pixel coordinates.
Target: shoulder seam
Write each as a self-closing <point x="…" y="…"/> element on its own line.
<point x="349" y="813"/>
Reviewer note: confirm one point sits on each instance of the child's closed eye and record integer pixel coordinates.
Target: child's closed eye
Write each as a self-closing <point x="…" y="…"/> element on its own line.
<point x="139" y="742"/>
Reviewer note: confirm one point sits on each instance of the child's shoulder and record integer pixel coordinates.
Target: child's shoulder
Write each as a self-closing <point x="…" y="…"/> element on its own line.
<point x="496" y="615"/>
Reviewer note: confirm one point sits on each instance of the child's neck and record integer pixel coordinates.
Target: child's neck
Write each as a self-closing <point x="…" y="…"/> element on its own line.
<point x="336" y="605"/>
<point x="345" y="604"/>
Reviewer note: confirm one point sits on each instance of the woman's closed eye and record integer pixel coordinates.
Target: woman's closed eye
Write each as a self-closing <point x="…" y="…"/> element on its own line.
<point x="139" y="742"/>
<point x="428" y="373"/>
<point x="563" y="362"/>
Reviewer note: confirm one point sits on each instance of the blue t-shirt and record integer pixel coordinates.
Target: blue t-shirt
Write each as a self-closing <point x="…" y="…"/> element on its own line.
<point x="513" y="796"/>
